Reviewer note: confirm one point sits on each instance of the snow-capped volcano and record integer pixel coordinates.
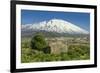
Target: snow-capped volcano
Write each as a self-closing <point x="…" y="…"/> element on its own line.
<point x="55" y="25"/>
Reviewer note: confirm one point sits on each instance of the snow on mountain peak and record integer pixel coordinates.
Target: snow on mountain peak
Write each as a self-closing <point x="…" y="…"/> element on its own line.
<point x="56" y="25"/>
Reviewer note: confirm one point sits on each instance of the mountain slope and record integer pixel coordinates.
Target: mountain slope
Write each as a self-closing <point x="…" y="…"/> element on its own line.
<point x="54" y="26"/>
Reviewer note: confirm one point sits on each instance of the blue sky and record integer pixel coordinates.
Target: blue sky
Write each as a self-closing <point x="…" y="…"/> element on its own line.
<point x="33" y="16"/>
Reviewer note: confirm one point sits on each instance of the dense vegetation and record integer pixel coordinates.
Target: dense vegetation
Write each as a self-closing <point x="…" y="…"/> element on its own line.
<point x="36" y="50"/>
<point x="38" y="42"/>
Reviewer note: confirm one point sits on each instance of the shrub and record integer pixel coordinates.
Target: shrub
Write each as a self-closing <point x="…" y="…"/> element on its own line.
<point x="25" y="45"/>
<point x="47" y="50"/>
<point x="38" y="42"/>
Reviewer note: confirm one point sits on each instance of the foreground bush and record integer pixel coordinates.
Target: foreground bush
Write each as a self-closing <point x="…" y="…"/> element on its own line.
<point x="78" y="52"/>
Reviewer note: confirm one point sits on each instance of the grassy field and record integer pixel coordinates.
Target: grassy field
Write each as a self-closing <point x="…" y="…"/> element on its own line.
<point x="75" y="51"/>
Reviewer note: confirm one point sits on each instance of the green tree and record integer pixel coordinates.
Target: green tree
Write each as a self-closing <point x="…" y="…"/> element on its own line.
<point x="38" y="42"/>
